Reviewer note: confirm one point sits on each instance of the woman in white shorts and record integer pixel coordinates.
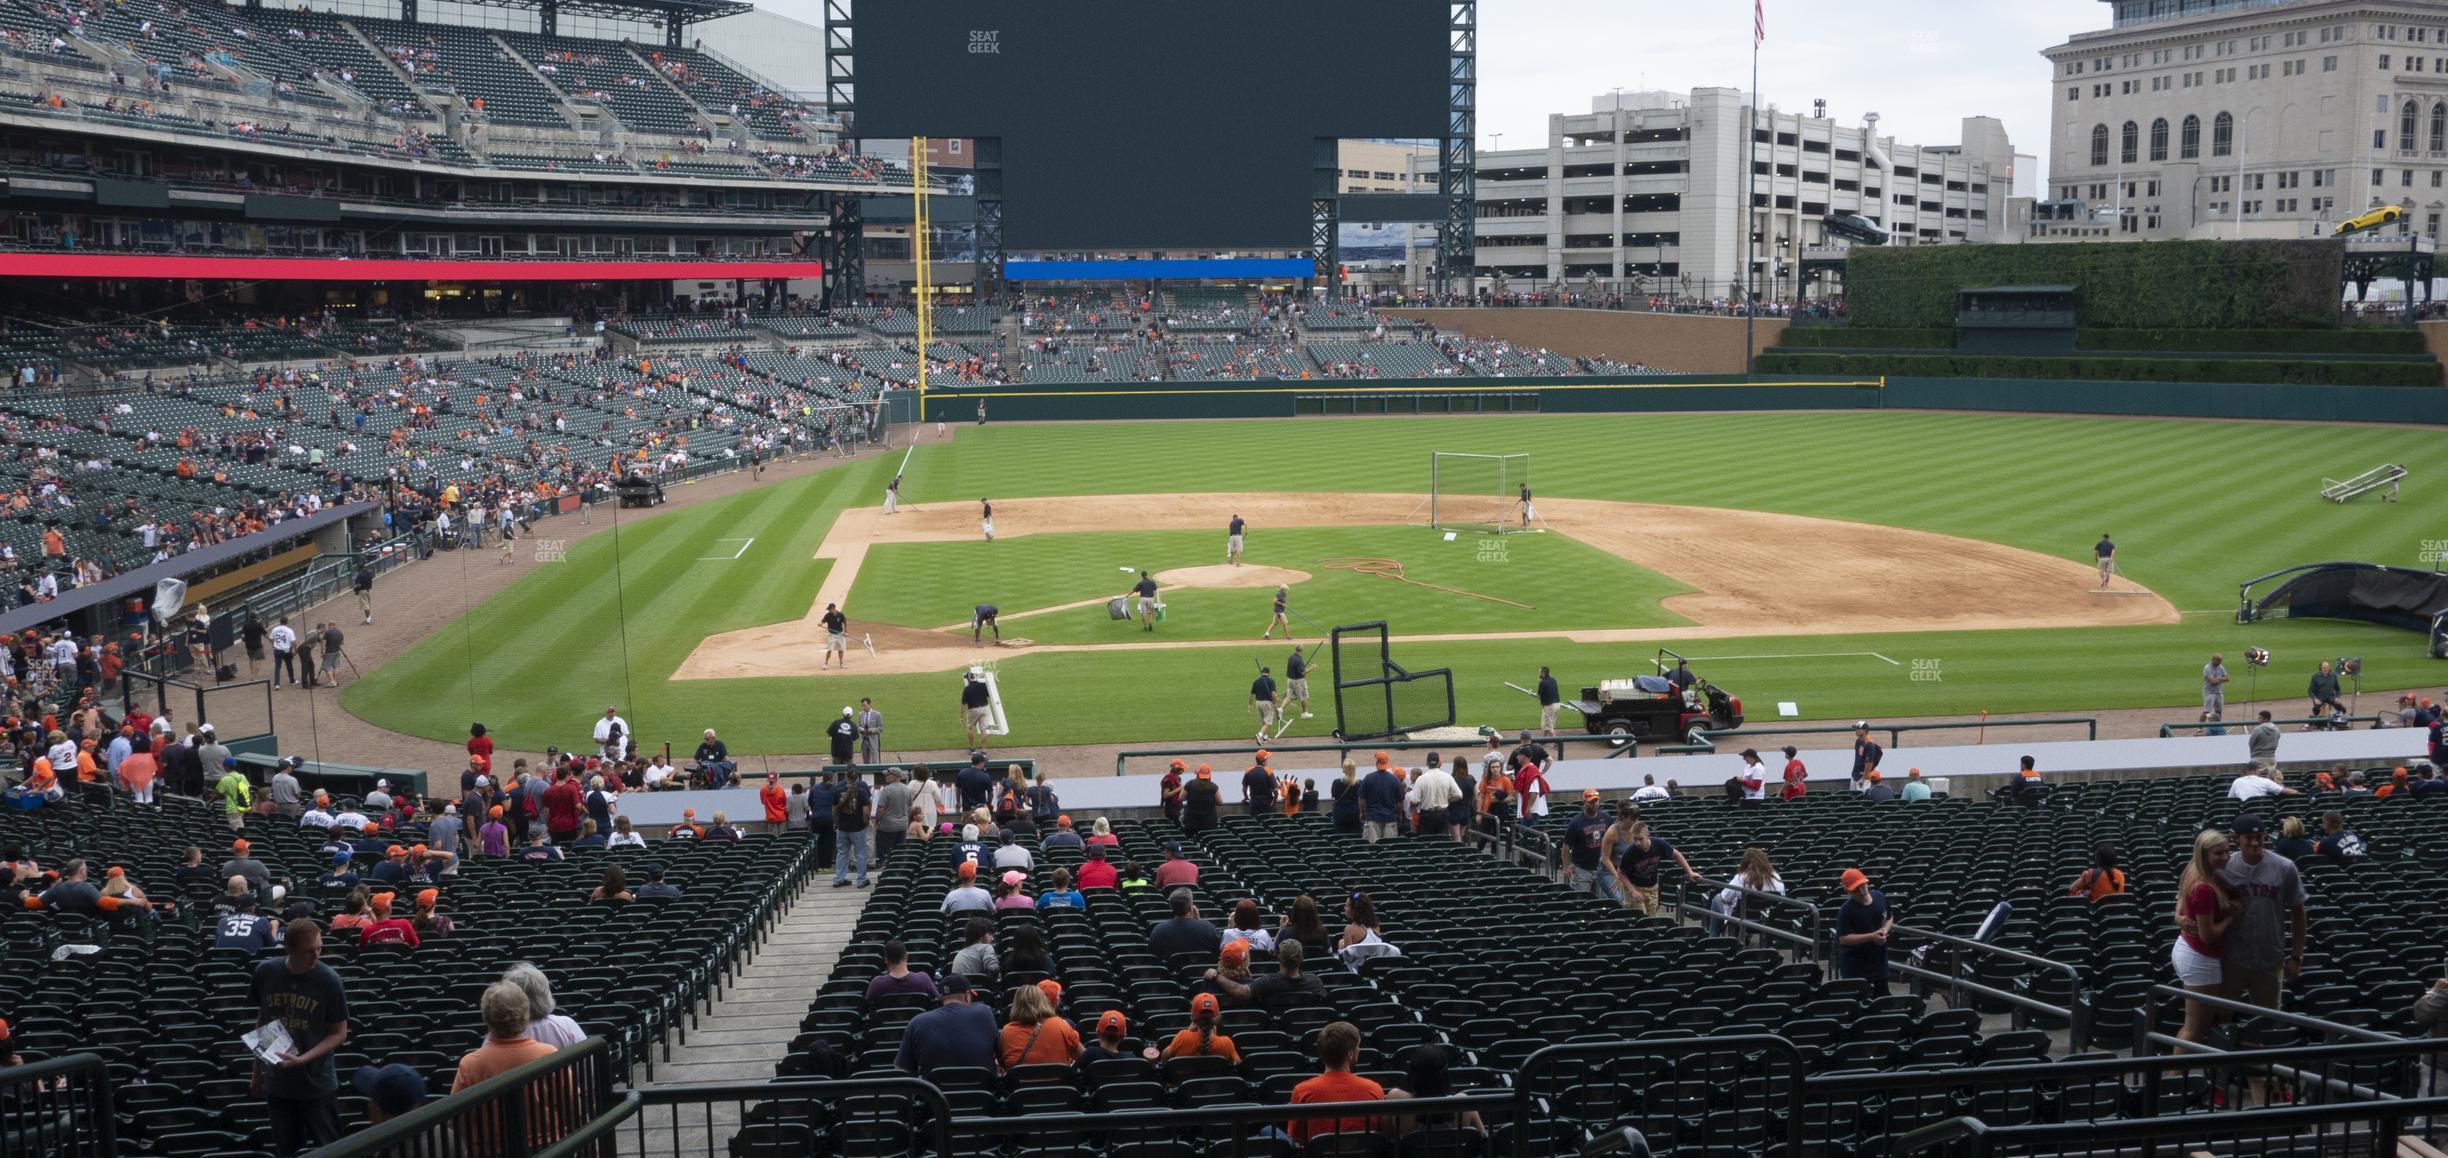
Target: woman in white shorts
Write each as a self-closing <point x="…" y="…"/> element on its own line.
<point x="2205" y="909"/>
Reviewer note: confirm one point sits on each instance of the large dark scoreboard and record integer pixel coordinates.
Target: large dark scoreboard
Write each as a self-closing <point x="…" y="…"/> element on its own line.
<point x="1141" y="124"/>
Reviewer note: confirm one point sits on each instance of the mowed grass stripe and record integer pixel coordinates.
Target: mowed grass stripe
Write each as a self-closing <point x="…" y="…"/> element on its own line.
<point x="2198" y="505"/>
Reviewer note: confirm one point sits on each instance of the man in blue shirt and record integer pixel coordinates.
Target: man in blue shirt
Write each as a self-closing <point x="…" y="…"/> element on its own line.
<point x="1381" y="802"/>
<point x="820" y="815"/>
<point x="1861" y="931"/>
<point x="957" y="1033"/>
<point x="975" y="784"/>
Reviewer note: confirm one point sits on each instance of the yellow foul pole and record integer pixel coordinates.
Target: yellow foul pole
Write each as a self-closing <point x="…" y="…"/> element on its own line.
<point x="919" y="260"/>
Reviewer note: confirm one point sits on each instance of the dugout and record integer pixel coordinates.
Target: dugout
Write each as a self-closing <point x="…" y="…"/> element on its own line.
<point x="2400" y="597"/>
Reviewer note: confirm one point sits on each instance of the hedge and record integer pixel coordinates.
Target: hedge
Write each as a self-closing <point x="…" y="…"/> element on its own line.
<point x="2171" y="285"/>
<point x="1855" y="337"/>
<point x="2103" y="368"/>
<point x="2356" y="340"/>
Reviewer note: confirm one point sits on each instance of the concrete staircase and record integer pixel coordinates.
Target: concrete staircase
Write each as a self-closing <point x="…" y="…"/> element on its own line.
<point x="750" y="1026"/>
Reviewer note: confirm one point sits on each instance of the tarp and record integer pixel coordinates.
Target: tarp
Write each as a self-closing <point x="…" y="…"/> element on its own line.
<point x="2392" y="596"/>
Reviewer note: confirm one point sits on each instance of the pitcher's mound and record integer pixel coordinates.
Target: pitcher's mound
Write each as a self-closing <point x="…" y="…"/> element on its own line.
<point x="1227" y="575"/>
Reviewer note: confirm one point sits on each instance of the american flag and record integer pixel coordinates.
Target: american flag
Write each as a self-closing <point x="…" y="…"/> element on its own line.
<point x="1759" y="22"/>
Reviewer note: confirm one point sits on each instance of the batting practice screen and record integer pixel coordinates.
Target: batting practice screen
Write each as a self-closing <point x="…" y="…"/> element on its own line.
<point x="1125" y="124"/>
<point x="1374" y="696"/>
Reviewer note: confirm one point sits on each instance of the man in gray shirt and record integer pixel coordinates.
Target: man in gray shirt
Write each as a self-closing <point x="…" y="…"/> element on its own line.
<point x="284" y="790"/>
<point x="2258" y="947"/>
<point x="209" y="749"/>
<point x="442" y="832"/>
<point x="2263" y="744"/>
<point x="892" y="807"/>
<point x="2214" y="687"/>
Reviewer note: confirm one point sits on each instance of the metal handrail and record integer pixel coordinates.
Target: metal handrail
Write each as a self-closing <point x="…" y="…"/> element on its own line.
<point x="2113" y="1135"/>
<point x="1894" y="732"/>
<point x="937" y="1119"/>
<point x="1812" y="940"/>
<point x="1555" y="743"/>
<point x="2078" y="1016"/>
<point x="2170" y="728"/>
<point x="44" y="1103"/>
<point x="588" y="1068"/>
<point x="1526" y="1079"/>
<point x="2299" y="1020"/>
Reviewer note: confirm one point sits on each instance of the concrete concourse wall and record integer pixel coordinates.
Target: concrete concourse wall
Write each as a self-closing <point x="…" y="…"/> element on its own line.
<point x="1678" y="343"/>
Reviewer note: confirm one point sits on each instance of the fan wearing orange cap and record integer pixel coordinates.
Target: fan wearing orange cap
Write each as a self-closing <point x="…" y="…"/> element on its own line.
<point x="1861" y="931"/>
<point x="1035" y="1035"/>
<point x="688" y="828"/>
<point x="1201" y="1039"/>
<point x="1258" y="786"/>
<point x="430" y="924"/>
<point x="1201" y="800"/>
<point x="1112" y="1041"/>
<point x="387" y="927"/>
<point x="967" y="897"/>
<point x="493" y="836"/>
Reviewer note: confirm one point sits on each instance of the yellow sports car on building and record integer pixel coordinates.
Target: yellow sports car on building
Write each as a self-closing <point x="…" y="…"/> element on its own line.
<point x="2374" y="219"/>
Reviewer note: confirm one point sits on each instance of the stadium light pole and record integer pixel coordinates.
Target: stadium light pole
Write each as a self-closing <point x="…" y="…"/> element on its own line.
<point x="1759" y="32"/>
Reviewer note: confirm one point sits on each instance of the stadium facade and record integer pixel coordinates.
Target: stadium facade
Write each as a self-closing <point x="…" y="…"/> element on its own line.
<point x="2274" y="118"/>
<point x="1644" y="193"/>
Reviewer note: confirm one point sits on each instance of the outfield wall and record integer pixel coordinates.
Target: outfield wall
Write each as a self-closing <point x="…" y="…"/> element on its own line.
<point x="1681" y="343"/>
<point x="1088" y="401"/>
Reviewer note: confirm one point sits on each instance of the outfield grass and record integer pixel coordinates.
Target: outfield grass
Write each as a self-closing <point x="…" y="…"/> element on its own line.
<point x="2195" y="506"/>
<point x="1568" y="584"/>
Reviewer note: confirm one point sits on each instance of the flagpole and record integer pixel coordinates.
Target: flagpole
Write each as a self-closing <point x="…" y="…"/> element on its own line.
<point x="1750" y="305"/>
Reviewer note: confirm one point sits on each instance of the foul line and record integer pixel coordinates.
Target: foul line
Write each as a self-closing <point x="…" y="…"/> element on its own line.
<point x="1794" y="655"/>
<point x="743" y="549"/>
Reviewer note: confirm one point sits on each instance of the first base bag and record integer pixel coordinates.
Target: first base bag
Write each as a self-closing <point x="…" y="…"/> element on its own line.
<point x="1118" y="607"/>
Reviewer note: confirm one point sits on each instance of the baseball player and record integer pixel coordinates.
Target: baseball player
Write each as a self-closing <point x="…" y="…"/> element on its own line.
<point x="1526" y="510"/>
<point x="1282" y="600"/>
<point x="1145" y="589"/>
<point x="1232" y="542"/>
<point x="1262" y="700"/>
<point x="2106" y="551"/>
<point x="837" y="638"/>
<point x="986" y="516"/>
<point x="892" y="496"/>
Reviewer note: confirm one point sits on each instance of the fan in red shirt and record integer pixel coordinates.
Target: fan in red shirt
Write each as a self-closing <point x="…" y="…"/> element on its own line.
<point x="564" y="806"/>
<point x="1795" y="774"/>
<point x="480" y="744"/>
<point x="1096" y="872"/>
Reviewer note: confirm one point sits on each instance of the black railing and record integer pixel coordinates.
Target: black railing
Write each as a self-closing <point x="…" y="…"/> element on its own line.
<point x="1465" y="749"/>
<point x="1895" y="732"/>
<point x="58" y="1108"/>
<point x="1804" y="936"/>
<point x="559" y="1105"/>
<point x="1922" y="1109"/>
<point x="2075" y="1014"/>
<point x="2346" y="1128"/>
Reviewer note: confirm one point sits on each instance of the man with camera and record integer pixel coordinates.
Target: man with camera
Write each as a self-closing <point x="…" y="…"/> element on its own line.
<point x="2324" y="691"/>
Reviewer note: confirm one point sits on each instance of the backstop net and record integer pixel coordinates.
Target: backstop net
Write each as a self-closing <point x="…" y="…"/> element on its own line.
<point x="1376" y="697"/>
<point x="1480" y="492"/>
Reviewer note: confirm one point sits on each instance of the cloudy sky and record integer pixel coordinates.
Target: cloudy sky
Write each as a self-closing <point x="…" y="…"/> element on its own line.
<point x="1923" y="65"/>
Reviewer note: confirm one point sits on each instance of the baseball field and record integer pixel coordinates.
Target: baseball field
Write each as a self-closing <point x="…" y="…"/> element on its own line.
<point x="1859" y="563"/>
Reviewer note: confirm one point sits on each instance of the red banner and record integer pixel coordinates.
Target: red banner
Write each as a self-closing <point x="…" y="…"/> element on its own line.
<point x="130" y="265"/>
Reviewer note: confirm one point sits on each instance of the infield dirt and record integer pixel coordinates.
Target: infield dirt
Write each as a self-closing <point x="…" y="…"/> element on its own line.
<point x="1753" y="573"/>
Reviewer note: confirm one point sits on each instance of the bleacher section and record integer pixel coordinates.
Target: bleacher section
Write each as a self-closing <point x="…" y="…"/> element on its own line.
<point x="1470" y="928"/>
<point x="603" y="71"/>
<point x="165" y="1009"/>
<point x="1380" y="360"/>
<point x="469" y="64"/>
<point x="1103" y="360"/>
<point x="324" y="41"/>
